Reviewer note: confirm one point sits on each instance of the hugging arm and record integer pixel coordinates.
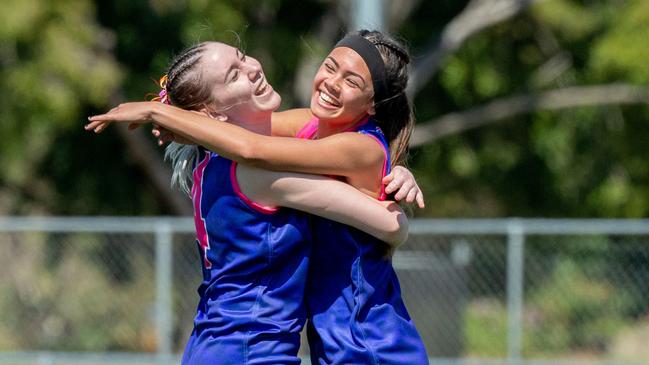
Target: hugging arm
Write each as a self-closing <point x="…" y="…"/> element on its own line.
<point x="327" y="198"/>
<point x="343" y="154"/>
<point x="288" y="122"/>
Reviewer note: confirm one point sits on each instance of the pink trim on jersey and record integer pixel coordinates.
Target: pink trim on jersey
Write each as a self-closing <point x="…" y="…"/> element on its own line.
<point x="308" y="130"/>
<point x="199" y="220"/>
<point x="237" y="189"/>
<point x="358" y="125"/>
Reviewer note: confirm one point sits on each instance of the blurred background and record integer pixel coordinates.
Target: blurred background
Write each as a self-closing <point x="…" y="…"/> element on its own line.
<point x="533" y="109"/>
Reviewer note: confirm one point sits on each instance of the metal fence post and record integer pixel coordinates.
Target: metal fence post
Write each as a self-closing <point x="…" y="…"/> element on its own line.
<point x="515" y="267"/>
<point x="163" y="254"/>
<point x="368" y="14"/>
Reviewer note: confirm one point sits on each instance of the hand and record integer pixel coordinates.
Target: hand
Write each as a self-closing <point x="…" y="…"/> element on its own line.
<point x="165" y="136"/>
<point x="135" y="113"/>
<point x="403" y="182"/>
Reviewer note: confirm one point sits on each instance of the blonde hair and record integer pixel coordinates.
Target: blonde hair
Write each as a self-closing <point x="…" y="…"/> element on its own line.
<point x="183" y="158"/>
<point x="185" y="90"/>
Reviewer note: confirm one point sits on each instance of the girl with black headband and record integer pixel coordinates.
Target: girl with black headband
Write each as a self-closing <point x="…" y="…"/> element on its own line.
<point x="358" y="110"/>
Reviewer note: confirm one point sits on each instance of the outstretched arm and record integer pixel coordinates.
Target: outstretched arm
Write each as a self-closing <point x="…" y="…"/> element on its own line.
<point x="327" y="198"/>
<point x="343" y="154"/>
<point x="283" y="124"/>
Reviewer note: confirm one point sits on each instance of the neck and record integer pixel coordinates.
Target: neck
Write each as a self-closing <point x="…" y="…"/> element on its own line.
<point x="259" y="124"/>
<point x="327" y="128"/>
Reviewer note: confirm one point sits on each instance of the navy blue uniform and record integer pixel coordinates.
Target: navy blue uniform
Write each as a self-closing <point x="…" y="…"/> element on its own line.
<point x="254" y="262"/>
<point x="356" y="314"/>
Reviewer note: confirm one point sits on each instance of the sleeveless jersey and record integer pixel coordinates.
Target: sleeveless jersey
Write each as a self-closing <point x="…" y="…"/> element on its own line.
<point x="356" y="314"/>
<point x="254" y="261"/>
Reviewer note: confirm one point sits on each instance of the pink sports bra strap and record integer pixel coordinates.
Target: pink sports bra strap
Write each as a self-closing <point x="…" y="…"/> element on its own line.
<point x="309" y="129"/>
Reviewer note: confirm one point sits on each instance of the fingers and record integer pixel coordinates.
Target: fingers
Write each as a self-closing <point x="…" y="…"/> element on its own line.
<point x="100" y="117"/>
<point x="92" y="125"/>
<point x="420" y="200"/>
<point x="155" y="131"/>
<point x="98" y="123"/>
<point x="96" y="126"/>
<point x="108" y="116"/>
<point x="404" y="190"/>
<point x="403" y="182"/>
<point x="166" y="138"/>
<point x="393" y="181"/>
<point x="412" y="194"/>
<point x="163" y="135"/>
<point x="101" y="127"/>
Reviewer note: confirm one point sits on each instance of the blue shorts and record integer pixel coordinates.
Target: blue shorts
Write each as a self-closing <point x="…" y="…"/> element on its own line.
<point x="241" y="349"/>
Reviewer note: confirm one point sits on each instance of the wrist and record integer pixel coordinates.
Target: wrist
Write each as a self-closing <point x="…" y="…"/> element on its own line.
<point x="156" y="109"/>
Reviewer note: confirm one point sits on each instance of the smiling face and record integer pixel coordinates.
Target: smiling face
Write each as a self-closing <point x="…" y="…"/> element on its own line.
<point x="240" y="89"/>
<point x="342" y="88"/>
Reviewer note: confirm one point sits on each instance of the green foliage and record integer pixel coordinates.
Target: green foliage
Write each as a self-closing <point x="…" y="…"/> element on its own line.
<point x="573" y="310"/>
<point x="574" y="301"/>
<point x="579" y="162"/>
<point x="56" y="289"/>
<point x="64" y="60"/>
<point x="621" y="51"/>
<point x="571" y="19"/>
<point x="54" y="74"/>
<point x="485" y="329"/>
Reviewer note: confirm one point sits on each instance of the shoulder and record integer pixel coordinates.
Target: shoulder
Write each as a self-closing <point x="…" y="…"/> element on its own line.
<point x="360" y="147"/>
<point x="287" y="123"/>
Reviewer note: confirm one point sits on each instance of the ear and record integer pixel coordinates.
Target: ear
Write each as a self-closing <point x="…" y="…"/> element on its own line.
<point x="371" y="110"/>
<point x="214" y="115"/>
<point x="219" y="116"/>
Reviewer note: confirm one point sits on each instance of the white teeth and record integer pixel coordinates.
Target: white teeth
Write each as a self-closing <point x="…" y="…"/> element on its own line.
<point x="327" y="99"/>
<point x="261" y="88"/>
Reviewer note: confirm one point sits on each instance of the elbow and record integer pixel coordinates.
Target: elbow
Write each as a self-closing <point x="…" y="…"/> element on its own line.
<point x="253" y="152"/>
<point x="397" y="233"/>
<point x="249" y="155"/>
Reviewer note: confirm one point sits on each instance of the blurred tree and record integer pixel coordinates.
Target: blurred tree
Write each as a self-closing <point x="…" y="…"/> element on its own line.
<point x="564" y="79"/>
<point x="539" y="67"/>
<point x="526" y="108"/>
<point x="57" y="65"/>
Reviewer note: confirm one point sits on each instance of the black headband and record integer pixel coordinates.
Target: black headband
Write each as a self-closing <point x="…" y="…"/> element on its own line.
<point x="370" y="54"/>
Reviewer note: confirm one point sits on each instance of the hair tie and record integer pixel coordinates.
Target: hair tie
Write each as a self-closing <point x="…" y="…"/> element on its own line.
<point x="163" y="95"/>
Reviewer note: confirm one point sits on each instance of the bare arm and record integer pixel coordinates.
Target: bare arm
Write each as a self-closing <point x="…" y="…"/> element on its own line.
<point x="343" y="154"/>
<point x="327" y="198"/>
<point x="287" y="123"/>
<point x="283" y="124"/>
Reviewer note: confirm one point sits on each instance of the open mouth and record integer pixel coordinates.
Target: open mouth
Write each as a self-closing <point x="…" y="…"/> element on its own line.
<point x="328" y="99"/>
<point x="262" y="87"/>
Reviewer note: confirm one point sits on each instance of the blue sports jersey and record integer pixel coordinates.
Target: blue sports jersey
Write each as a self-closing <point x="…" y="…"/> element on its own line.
<point x="254" y="262"/>
<point x="356" y="314"/>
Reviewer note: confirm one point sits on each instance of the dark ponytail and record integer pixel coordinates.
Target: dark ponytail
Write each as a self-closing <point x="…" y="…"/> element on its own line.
<point x="394" y="113"/>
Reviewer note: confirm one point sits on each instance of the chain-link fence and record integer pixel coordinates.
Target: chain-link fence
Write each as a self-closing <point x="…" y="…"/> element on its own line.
<point x="106" y="290"/>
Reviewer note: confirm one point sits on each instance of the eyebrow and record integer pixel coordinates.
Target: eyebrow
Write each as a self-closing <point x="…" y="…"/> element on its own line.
<point x="227" y="73"/>
<point x="349" y="72"/>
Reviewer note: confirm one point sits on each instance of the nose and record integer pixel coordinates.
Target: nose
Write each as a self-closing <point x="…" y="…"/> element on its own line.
<point x="333" y="84"/>
<point x="253" y="71"/>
